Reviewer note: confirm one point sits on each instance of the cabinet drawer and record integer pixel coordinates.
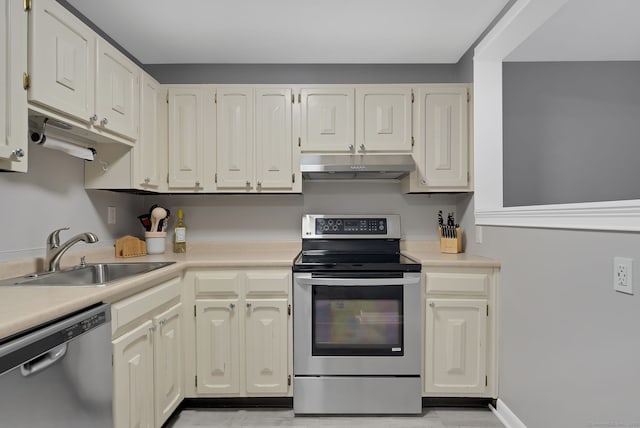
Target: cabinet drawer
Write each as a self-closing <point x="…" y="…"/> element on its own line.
<point x="268" y="282"/>
<point x="474" y="283"/>
<point x="224" y="283"/>
<point x="134" y="307"/>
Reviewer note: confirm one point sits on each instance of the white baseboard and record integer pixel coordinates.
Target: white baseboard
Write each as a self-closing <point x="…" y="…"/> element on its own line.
<point x="506" y="416"/>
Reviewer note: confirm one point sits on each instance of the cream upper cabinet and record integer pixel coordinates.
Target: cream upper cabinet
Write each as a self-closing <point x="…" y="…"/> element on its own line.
<point x="13" y="97"/>
<point x="117" y="92"/>
<point x="62" y="61"/>
<point x="327" y="120"/>
<point x="240" y="343"/>
<point x="77" y="75"/>
<point x="234" y="142"/>
<point x="274" y="149"/>
<point x="191" y="122"/>
<point x="442" y="149"/>
<point x="460" y="325"/>
<point x="150" y="152"/>
<point x="383" y="119"/>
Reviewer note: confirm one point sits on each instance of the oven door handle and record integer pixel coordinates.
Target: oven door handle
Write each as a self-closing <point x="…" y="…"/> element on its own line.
<point x="306" y="279"/>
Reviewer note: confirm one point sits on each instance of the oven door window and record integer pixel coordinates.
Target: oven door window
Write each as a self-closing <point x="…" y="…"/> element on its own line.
<point x="357" y="320"/>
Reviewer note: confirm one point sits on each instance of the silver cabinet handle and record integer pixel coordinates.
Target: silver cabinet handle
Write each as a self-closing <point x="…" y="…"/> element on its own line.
<point x="248" y="305"/>
<point x="104" y="121"/>
<point x="362" y="147"/>
<point x="93" y="118"/>
<point x="197" y="184"/>
<point x="350" y="147"/>
<point x="162" y="322"/>
<point x="19" y="153"/>
<point x="232" y="305"/>
<point x="432" y="305"/>
<point x="152" y="328"/>
<point x="147" y="180"/>
<point x="259" y="183"/>
<point x="248" y="184"/>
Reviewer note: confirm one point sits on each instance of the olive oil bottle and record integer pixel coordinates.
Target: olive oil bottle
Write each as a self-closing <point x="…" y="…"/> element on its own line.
<point x="180" y="234"/>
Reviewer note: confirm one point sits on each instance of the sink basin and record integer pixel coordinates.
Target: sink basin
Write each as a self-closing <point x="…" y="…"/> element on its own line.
<point x="92" y="274"/>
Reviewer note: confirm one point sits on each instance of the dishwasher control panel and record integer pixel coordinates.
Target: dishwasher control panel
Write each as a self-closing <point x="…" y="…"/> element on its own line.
<point x="84" y="325"/>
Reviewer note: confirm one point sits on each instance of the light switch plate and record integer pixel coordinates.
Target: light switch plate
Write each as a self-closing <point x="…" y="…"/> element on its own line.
<point x="111" y="215"/>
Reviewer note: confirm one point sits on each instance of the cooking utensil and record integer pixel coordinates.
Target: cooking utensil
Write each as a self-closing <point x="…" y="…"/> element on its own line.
<point x="157" y="214"/>
<point x="145" y="220"/>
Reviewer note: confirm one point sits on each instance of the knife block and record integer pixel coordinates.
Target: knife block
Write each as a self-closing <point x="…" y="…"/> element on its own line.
<point x="450" y="245"/>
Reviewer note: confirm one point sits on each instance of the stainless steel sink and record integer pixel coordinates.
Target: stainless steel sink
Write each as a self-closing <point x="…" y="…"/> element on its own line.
<point x="93" y="274"/>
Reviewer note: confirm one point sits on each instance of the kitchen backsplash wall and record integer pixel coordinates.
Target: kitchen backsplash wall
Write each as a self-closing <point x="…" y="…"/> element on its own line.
<point x="51" y="196"/>
<point x="278" y="217"/>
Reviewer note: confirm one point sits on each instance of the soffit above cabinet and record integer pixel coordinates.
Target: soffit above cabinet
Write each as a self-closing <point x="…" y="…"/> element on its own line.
<point x="292" y="31"/>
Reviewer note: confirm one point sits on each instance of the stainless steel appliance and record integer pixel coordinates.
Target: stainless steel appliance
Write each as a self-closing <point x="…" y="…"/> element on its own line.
<point x="357" y="318"/>
<point x="59" y="375"/>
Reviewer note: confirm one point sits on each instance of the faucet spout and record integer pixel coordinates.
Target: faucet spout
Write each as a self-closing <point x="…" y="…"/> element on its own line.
<point x="55" y="250"/>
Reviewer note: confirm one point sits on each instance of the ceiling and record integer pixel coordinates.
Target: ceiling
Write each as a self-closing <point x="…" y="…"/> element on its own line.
<point x="293" y="31"/>
<point x="586" y="30"/>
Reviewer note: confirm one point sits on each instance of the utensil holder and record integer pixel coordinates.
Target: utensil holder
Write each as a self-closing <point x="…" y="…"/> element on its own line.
<point x="450" y="245"/>
<point x="156" y="242"/>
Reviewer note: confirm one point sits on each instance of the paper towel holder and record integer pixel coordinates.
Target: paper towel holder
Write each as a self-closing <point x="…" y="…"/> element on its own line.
<point x="41" y="138"/>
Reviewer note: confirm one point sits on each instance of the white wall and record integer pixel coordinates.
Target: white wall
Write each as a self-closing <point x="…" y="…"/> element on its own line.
<point x="278" y="217"/>
<point x="569" y="351"/>
<point x="52" y="195"/>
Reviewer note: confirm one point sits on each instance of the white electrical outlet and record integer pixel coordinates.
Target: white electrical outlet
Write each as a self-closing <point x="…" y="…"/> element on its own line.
<point x="111" y="215"/>
<point x="478" y="234"/>
<point x="623" y="275"/>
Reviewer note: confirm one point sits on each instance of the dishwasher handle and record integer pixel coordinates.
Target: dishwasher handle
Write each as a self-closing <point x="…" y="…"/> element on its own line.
<point x="43" y="361"/>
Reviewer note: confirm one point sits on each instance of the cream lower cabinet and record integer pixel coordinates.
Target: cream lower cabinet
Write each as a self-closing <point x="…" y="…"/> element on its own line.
<point x="460" y="332"/>
<point x="241" y="333"/>
<point x="147" y="356"/>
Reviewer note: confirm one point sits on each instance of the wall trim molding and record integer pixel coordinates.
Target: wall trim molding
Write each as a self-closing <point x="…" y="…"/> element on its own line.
<point x="518" y="23"/>
<point x="506" y="416"/>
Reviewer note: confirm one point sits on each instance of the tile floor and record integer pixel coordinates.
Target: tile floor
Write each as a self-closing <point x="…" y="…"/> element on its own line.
<point x="434" y="417"/>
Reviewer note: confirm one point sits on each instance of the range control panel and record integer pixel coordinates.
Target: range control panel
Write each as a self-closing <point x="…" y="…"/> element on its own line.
<point x="351" y="226"/>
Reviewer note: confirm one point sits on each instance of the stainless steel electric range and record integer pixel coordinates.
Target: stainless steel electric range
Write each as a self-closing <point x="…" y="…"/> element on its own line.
<point x="357" y="318"/>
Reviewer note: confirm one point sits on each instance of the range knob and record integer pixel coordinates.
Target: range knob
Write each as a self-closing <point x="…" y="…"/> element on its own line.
<point x="325" y="228"/>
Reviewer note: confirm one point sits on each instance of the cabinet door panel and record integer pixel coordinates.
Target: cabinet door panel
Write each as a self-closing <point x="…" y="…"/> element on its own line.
<point x="133" y="378"/>
<point x="168" y="362"/>
<point x="185" y="137"/>
<point x="455" y="350"/>
<point x="147" y="150"/>
<point x="327" y="120"/>
<point x="13" y="98"/>
<point x="443" y="159"/>
<point x="383" y="120"/>
<point x="217" y="362"/>
<point x="274" y="142"/>
<point x="266" y="346"/>
<point x="61" y="56"/>
<point x="235" y="139"/>
<point x="117" y="92"/>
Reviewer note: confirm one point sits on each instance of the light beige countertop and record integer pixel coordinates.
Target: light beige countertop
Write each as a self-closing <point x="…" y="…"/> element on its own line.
<point x="428" y="253"/>
<point x="24" y="307"/>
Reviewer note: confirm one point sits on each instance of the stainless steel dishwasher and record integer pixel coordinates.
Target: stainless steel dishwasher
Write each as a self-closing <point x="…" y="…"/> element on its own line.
<point x="59" y="375"/>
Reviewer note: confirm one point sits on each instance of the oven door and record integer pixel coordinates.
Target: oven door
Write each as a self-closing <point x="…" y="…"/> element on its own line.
<point x="357" y="324"/>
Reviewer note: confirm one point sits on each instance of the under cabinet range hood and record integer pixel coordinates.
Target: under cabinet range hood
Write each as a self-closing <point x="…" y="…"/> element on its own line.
<point x="360" y="167"/>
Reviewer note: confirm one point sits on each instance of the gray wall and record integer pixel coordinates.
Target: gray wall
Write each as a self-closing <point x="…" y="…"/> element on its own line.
<point x="304" y="73"/>
<point x="52" y="195"/>
<point x="569" y="354"/>
<point x="571" y="132"/>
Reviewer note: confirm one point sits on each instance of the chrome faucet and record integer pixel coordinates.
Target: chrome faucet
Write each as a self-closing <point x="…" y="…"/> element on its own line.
<point x="55" y="250"/>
